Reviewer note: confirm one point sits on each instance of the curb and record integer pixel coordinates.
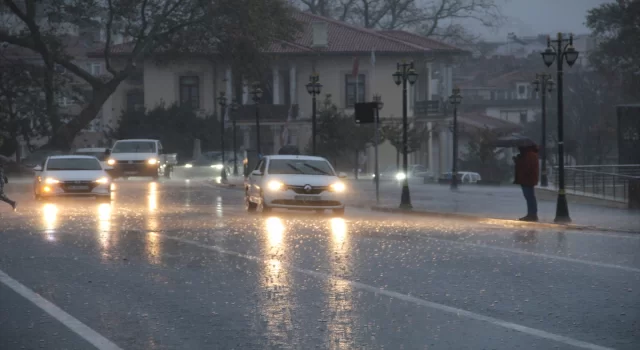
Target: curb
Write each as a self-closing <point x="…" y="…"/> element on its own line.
<point x="505" y="221"/>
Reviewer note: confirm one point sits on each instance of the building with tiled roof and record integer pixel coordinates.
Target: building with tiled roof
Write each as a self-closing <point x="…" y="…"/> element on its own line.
<point x="331" y="48"/>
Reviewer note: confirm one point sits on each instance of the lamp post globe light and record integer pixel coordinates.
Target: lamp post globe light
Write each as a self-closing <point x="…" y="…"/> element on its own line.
<point x="405" y="72"/>
<point x="376" y="171"/>
<point x="256" y="95"/>
<point x="455" y="99"/>
<point x="313" y="88"/>
<point x="222" y="101"/>
<point x="562" y="52"/>
<point x="234" y="108"/>
<point x="543" y="84"/>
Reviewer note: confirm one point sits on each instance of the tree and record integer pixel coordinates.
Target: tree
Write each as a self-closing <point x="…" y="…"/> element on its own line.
<point x="338" y="137"/>
<point x="589" y="117"/>
<point x="432" y="18"/>
<point x="176" y="126"/>
<point x="153" y="28"/>
<point x="484" y="157"/>
<point x="392" y="130"/>
<point x="616" y="26"/>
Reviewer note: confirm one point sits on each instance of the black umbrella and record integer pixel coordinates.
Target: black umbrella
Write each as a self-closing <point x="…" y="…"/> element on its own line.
<point x="514" y="140"/>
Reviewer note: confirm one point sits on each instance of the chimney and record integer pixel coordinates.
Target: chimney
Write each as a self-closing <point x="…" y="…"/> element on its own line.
<point x="320" y="37"/>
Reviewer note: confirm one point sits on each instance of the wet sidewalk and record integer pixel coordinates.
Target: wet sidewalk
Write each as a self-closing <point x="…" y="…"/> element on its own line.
<point x="498" y="202"/>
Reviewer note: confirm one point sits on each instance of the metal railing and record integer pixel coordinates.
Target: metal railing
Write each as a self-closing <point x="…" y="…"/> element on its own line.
<point x="599" y="181"/>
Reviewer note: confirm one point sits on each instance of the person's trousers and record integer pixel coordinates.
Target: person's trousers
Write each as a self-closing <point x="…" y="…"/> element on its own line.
<point x="4" y="198"/>
<point x="530" y="196"/>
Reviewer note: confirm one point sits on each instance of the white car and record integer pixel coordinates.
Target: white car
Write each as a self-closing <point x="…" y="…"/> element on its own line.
<point x="71" y="175"/>
<point x="295" y="182"/>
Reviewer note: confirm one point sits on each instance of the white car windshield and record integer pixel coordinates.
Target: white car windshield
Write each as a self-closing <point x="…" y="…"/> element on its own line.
<point x="73" y="164"/>
<point x="300" y="167"/>
<point x="134" y="147"/>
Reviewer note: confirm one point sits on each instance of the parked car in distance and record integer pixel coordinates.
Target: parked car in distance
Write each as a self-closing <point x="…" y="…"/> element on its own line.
<point x="415" y="171"/>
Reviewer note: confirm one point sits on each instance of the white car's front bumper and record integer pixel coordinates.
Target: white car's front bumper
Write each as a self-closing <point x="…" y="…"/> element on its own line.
<point x="66" y="190"/>
<point x="290" y="199"/>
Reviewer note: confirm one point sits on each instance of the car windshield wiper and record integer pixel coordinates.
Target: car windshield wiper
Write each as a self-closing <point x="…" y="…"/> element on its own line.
<point x="295" y="168"/>
<point x="316" y="169"/>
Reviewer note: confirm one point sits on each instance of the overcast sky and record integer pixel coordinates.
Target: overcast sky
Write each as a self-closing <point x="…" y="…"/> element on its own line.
<point x="532" y="17"/>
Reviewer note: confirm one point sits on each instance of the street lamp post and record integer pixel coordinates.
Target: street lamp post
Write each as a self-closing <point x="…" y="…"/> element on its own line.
<point x="455" y="99"/>
<point x="405" y="72"/>
<point x="376" y="171"/>
<point x="234" y="108"/>
<point x="544" y="84"/>
<point x="313" y="88"/>
<point x="222" y="101"/>
<point x="564" y="50"/>
<point x="256" y="95"/>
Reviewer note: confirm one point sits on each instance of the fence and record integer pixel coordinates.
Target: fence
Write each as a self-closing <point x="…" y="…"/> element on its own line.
<point x="600" y="181"/>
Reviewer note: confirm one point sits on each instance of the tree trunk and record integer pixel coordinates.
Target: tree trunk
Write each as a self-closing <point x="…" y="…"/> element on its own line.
<point x="66" y="133"/>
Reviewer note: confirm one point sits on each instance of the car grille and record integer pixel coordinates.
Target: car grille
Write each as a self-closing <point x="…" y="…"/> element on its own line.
<point x="314" y="189"/>
<point x="67" y="186"/>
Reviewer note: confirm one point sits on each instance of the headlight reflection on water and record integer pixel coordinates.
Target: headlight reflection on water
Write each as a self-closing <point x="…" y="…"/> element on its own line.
<point x="50" y="218"/>
<point x="275" y="232"/>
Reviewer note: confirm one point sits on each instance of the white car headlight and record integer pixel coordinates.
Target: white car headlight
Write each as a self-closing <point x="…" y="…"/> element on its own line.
<point x="217" y="166"/>
<point x="401" y="176"/>
<point x="338" y="187"/>
<point x="111" y="162"/>
<point x="275" y="185"/>
<point x="188" y="165"/>
<point x="51" y="181"/>
<point x="152" y="161"/>
<point x="103" y="180"/>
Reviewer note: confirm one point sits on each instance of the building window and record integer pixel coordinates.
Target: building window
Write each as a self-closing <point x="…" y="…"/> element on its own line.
<point x="523" y="117"/>
<point x="190" y="91"/>
<point x="96" y="69"/>
<point x="350" y="89"/>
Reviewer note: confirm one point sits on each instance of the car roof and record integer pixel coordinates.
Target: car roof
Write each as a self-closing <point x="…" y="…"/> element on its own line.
<point x="75" y="156"/>
<point x="297" y="157"/>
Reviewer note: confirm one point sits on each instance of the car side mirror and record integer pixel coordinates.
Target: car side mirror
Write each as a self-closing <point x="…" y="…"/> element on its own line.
<point x="37" y="168"/>
<point x="107" y="152"/>
<point x="342" y="175"/>
<point x="256" y="173"/>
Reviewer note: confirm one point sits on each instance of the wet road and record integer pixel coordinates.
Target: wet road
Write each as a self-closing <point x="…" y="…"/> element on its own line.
<point x="180" y="265"/>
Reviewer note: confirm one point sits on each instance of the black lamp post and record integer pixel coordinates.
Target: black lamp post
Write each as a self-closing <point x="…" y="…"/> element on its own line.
<point x="564" y="51"/>
<point x="222" y="101"/>
<point x="544" y="84"/>
<point x="313" y="88"/>
<point x="376" y="171"/>
<point x="455" y="99"/>
<point x="256" y="95"/>
<point x="405" y="73"/>
<point x="234" y="108"/>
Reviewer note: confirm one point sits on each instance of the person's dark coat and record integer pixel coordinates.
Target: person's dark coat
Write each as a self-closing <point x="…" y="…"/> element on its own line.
<point x="527" y="168"/>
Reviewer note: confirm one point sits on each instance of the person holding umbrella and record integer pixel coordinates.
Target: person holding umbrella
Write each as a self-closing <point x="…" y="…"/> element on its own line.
<point x="4" y="180"/>
<point x="527" y="173"/>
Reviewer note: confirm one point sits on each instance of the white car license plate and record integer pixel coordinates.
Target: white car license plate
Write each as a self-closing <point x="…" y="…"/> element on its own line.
<point x="78" y="188"/>
<point x="130" y="172"/>
<point x="308" y="198"/>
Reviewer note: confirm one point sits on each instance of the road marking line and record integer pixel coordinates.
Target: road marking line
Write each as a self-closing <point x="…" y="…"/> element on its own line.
<point x="540" y="255"/>
<point x="422" y="302"/>
<point x="69" y="321"/>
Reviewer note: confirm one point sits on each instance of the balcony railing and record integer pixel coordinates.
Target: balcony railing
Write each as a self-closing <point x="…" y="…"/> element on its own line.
<point x="479" y="101"/>
<point x="268" y="113"/>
